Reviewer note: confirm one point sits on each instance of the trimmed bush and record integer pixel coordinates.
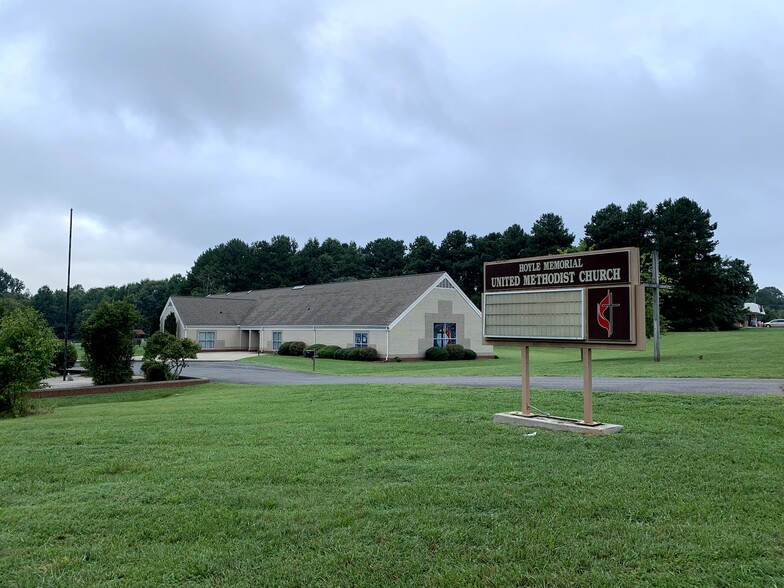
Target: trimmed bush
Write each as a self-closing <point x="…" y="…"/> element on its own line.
<point x="155" y="371"/>
<point x="469" y="354"/>
<point x="368" y="353"/>
<point x="437" y="354"/>
<point x="455" y="351"/>
<point x="354" y="353"/>
<point x="294" y="348"/>
<point x="315" y="347"/>
<point x="108" y="342"/>
<point x="297" y="348"/>
<point x="342" y="353"/>
<point x="327" y="351"/>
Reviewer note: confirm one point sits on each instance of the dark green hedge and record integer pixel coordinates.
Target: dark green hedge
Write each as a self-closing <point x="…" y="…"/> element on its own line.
<point x="327" y="351"/>
<point x="357" y="354"/>
<point x="294" y="348"/>
<point x="450" y="352"/>
<point x="436" y="354"/>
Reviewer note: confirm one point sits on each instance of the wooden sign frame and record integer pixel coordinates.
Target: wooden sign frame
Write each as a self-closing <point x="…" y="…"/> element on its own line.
<point x="587" y="300"/>
<point x="613" y="312"/>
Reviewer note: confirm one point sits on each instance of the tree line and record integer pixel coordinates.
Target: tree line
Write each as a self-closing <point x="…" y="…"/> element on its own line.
<point x="709" y="290"/>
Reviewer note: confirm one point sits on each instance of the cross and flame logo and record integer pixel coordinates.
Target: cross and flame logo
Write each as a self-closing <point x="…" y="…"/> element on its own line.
<point x="604" y="313"/>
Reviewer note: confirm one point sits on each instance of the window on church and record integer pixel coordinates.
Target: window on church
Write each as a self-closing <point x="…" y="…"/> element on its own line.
<point x="277" y="339"/>
<point x="207" y="339"/>
<point x="444" y="334"/>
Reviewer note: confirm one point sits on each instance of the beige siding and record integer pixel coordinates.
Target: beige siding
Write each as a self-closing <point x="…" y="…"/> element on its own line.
<point x="225" y="339"/>
<point x="325" y="336"/>
<point x="413" y="335"/>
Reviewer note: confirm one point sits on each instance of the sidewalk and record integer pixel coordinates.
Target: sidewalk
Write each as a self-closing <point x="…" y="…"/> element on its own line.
<point x="80" y="380"/>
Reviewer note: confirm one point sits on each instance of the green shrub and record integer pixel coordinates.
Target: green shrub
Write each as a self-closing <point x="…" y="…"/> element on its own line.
<point x="437" y="354"/>
<point x="352" y="353"/>
<point x="343" y="353"/>
<point x="367" y="354"/>
<point x="155" y="371"/>
<point x="469" y="354"/>
<point x="108" y="342"/>
<point x="27" y="346"/>
<point x="327" y="351"/>
<point x="296" y="348"/>
<point x="315" y="347"/>
<point x="455" y="351"/>
<point x="70" y="354"/>
<point x="173" y="352"/>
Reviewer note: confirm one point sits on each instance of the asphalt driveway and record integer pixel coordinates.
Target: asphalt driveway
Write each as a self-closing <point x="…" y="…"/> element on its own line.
<point x="244" y="373"/>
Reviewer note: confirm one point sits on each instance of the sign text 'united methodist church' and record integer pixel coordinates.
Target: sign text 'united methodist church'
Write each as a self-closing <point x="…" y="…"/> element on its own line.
<point x="589" y="299"/>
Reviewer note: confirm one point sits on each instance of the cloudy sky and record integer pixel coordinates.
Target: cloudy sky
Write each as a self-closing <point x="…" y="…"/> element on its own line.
<point x="170" y="127"/>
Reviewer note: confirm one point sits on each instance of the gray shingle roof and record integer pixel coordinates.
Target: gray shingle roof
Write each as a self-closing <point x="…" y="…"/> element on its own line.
<point x="359" y="303"/>
<point x="212" y="311"/>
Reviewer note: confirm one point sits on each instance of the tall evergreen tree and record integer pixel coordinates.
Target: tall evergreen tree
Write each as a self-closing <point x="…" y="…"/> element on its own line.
<point x="613" y="227"/>
<point x="456" y="257"/>
<point x="384" y="257"/>
<point x="484" y="249"/>
<point x="514" y="242"/>
<point x="737" y="288"/>
<point x="222" y="269"/>
<point x="272" y="264"/>
<point x="422" y="257"/>
<point x="683" y="233"/>
<point x="549" y="235"/>
<point x="314" y="265"/>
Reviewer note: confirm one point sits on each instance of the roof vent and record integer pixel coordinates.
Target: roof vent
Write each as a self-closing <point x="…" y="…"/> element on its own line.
<point x="298" y="287"/>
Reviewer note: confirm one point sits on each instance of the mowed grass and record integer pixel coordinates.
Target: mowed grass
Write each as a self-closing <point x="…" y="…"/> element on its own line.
<point x="745" y="353"/>
<point x="389" y="485"/>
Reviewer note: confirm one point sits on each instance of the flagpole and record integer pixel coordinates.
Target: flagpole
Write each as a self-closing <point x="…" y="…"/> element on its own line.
<point x="67" y="300"/>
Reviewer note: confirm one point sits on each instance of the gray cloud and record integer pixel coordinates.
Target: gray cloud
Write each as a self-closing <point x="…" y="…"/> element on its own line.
<point x="173" y="127"/>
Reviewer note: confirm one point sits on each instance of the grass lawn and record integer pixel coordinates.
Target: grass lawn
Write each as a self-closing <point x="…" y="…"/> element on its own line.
<point x="746" y="353"/>
<point x="230" y="485"/>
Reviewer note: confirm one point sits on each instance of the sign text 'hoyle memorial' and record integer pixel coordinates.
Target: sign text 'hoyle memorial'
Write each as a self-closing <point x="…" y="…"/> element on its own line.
<point x="611" y="267"/>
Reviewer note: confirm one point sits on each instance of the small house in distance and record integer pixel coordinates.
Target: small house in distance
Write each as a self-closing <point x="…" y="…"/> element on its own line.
<point x="754" y="314"/>
<point x="399" y="316"/>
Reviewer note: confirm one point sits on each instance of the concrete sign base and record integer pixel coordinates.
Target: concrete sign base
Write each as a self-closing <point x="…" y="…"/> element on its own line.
<point x="554" y="423"/>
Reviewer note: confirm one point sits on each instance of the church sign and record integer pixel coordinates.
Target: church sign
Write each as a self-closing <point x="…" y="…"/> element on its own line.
<point x="588" y="299"/>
